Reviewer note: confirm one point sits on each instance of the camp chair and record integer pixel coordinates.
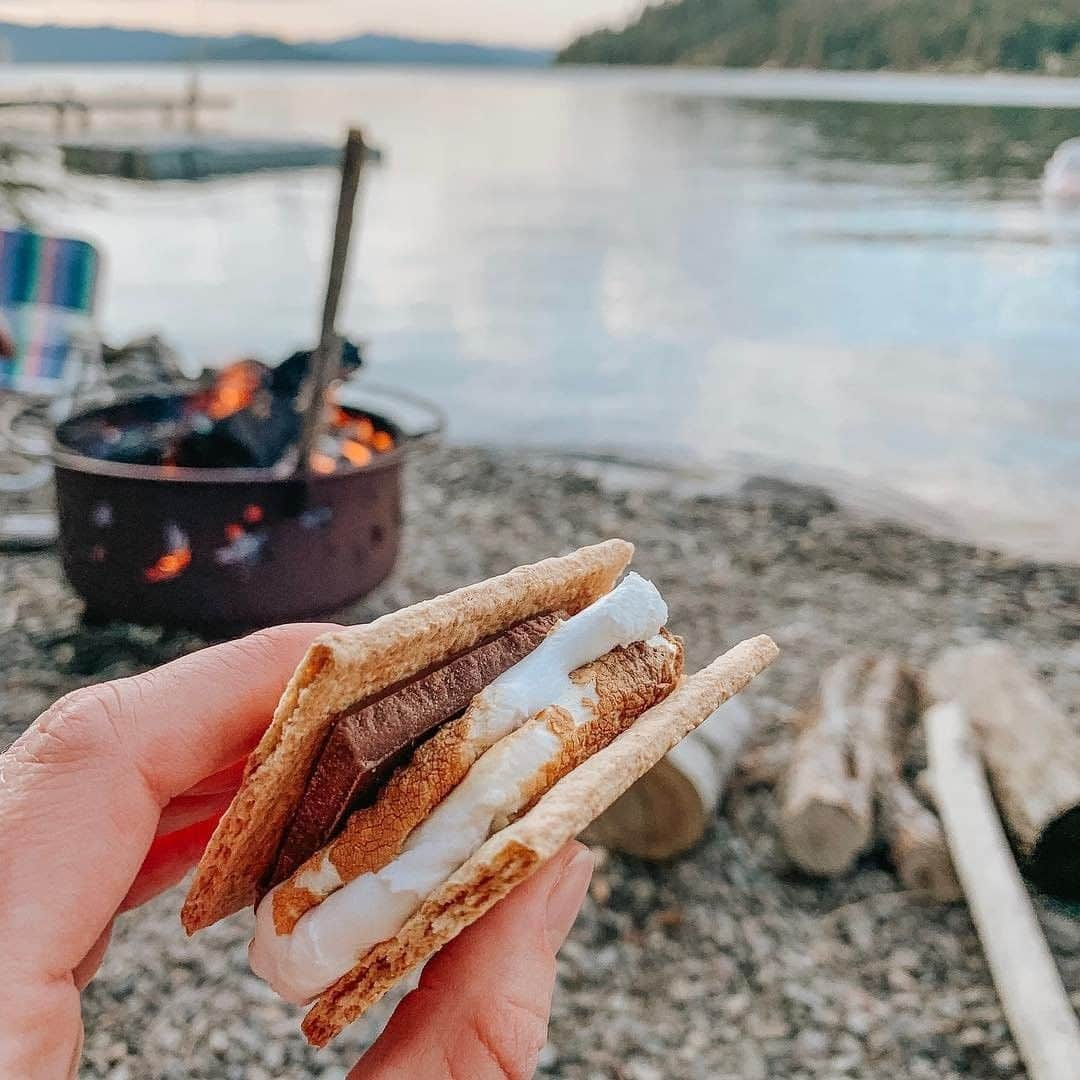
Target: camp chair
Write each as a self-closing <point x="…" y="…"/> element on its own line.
<point x="48" y="287"/>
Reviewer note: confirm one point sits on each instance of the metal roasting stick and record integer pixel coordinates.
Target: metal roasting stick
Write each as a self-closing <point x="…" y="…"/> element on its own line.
<point x="326" y="363"/>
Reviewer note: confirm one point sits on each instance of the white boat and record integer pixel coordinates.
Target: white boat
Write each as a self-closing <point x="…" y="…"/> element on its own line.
<point x="1061" y="177"/>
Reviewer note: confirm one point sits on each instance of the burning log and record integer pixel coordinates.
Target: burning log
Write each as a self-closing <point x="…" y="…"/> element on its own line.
<point x="162" y="423"/>
<point x="668" y="810"/>
<point x="1038" y="1011"/>
<point x="853" y="759"/>
<point x="248" y="417"/>
<point x="240" y="423"/>
<point x="287" y="379"/>
<point x="1032" y="753"/>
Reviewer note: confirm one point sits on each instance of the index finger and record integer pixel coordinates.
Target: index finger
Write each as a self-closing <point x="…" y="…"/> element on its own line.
<point x="81" y="792"/>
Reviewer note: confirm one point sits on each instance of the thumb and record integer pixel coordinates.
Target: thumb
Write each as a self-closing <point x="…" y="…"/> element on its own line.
<point x="481" y="1009"/>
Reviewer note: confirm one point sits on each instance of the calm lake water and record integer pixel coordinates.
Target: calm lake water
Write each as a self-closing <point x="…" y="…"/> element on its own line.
<point x="661" y="264"/>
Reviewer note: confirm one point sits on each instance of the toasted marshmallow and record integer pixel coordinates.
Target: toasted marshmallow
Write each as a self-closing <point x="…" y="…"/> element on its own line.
<point x="328" y="940"/>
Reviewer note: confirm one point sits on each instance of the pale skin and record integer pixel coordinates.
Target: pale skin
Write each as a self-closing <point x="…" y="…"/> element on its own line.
<point x="109" y="798"/>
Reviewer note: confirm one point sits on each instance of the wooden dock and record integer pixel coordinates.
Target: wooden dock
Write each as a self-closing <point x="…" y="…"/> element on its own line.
<point x="79" y="111"/>
<point x="177" y="151"/>
<point x="191" y="157"/>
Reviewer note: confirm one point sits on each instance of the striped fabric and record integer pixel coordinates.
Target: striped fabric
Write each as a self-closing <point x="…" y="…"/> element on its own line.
<point x="44" y="281"/>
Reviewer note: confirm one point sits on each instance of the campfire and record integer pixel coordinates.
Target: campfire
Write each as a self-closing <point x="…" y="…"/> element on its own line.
<point x="248" y="499"/>
<point x="247" y="417"/>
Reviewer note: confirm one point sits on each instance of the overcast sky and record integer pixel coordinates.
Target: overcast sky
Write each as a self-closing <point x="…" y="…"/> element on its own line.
<point x="527" y="22"/>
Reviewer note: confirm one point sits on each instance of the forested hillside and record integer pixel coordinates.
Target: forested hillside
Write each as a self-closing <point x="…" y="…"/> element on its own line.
<point x="959" y="35"/>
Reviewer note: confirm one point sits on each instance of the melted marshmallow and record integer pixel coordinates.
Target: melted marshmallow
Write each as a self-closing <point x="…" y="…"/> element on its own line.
<point x="632" y="612"/>
<point x="328" y="940"/>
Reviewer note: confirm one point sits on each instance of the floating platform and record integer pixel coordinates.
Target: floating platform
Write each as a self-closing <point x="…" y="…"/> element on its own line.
<point x="192" y="157"/>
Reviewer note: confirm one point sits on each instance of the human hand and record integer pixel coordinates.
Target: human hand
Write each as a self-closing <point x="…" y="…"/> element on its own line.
<point x="110" y="797"/>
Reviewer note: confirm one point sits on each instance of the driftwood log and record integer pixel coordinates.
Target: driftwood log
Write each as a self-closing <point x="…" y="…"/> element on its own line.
<point x="849" y="762"/>
<point x="668" y="810"/>
<point x="1038" y="1011"/>
<point x="827" y="805"/>
<point x="765" y="765"/>
<point x="1032" y="754"/>
<point x="917" y="844"/>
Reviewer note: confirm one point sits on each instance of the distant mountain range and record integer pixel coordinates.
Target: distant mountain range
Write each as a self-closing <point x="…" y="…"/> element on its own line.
<point x="106" y="44"/>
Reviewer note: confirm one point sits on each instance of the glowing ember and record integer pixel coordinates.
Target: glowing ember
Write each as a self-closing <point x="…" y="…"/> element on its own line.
<point x="253" y="514"/>
<point x="355" y="452"/>
<point x="233" y="390"/>
<point x="352" y="441"/>
<point x="233" y="532"/>
<point x="97" y="554"/>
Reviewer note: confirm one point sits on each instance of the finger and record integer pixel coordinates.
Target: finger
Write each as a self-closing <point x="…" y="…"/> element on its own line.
<point x="185" y="811"/>
<point x="84" y="787"/>
<point x="90" y="963"/>
<point x="482" y="1006"/>
<point x="205" y="800"/>
<point x="227" y="779"/>
<point x="169" y="859"/>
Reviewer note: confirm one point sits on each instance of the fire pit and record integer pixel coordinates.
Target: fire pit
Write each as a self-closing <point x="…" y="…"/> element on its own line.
<point x="146" y="538"/>
<point x="252" y="500"/>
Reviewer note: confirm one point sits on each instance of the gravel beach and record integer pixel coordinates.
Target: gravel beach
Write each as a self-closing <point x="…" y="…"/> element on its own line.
<point x="726" y="964"/>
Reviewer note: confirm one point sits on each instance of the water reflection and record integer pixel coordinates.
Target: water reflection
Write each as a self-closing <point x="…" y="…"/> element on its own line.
<point x="993" y="150"/>
<point x="633" y="264"/>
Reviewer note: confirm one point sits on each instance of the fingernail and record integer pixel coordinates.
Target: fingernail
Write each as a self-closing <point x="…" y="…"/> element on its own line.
<point x="566" y="897"/>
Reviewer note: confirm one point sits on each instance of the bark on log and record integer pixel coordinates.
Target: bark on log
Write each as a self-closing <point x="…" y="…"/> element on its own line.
<point x="827" y="809"/>
<point x="1032" y="753"/>
<point x="765" y="765"/>
<point x="917" y="843"/>
<point x="668" y="810"/>
<point x="868" y="709"/>
<point x="1039" y="1014"/>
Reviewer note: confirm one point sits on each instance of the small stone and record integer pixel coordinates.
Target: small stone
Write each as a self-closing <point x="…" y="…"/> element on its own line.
<point x="767" y="1027"/>
<point x="811" y="1044"/>
<point x="641" y="1070"/>
<point x="1006" y="1059"/>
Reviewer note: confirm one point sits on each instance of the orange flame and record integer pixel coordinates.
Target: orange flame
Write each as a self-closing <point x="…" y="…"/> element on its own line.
<point x="169" y="566"/>
<point x="233" y="390"/>
<point x="383" y="441"/>
<point x="322" y="464"/>
<point x="253" y="514"/>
